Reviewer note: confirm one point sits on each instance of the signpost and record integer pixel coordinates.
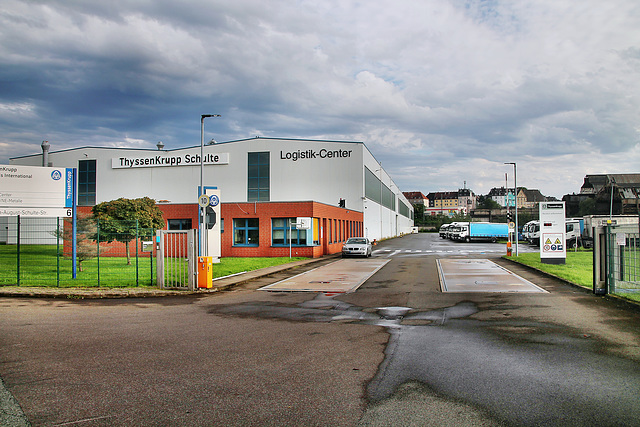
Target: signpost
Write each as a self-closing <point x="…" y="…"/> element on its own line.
<point x="552" y="233"/>
<point x="212" y="224"/>
<point x="35" y="191"/>
<point x="35" y="187"/>
<point x="302" y="223"/>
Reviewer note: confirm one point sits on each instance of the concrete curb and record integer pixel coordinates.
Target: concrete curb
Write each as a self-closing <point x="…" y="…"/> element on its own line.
<point x="142" y="292"/>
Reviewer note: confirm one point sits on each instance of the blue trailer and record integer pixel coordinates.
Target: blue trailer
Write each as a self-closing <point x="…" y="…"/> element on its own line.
<point x="482" y="231"/>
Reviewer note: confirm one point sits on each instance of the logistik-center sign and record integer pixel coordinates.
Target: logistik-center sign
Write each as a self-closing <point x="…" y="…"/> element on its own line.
<point x="169" y="160"/>
<point x="312" y="154"/>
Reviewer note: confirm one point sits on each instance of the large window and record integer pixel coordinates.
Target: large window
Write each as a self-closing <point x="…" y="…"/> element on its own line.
<point x="280" y="233"/>
<point x="179" y="224"/>
<point x="86" y="182"/>
<point x="246" y="232"/>
<point x="258" y="177"/>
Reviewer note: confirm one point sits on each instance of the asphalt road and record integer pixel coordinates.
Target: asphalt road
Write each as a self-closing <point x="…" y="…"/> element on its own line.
<point x="396" y="352"/>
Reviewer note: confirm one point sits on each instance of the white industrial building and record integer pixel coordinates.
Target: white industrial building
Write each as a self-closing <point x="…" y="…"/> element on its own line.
<point x="339" y="184"/>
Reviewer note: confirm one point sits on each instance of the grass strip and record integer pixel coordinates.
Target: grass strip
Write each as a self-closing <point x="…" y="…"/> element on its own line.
<point x="578" y="269"/>
<point x="40" y="266"/>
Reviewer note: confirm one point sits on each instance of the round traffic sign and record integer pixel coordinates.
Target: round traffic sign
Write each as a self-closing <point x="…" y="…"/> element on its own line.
<point x="214" y="200"/>
<point x="203" y="201"/>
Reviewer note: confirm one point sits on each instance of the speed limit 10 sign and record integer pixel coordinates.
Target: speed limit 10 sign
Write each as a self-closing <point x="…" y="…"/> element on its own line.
<point x="203" y="201"/>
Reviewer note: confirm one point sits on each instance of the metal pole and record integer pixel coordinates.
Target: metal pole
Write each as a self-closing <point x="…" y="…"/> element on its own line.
<point x="201" y="189"/>
<point x="515" y="183"/>
<point x="18" y="249"/>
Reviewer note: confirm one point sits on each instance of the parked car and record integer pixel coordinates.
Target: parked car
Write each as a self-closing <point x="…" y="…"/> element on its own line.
<point x="356" y="246"/>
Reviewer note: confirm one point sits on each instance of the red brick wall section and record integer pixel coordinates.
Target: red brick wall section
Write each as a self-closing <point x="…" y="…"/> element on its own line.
<point x="264" y="211"/>
<point x="349" y="223"/>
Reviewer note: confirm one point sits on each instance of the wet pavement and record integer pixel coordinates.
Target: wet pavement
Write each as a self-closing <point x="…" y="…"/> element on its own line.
<point x="398" y="351"/>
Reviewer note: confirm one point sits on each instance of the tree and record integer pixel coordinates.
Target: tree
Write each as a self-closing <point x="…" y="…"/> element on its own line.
<point x="86" y="246"/>
<point x="121" y="219"/>
<point x="587" y="207"/>
<point x="486" y="202"/>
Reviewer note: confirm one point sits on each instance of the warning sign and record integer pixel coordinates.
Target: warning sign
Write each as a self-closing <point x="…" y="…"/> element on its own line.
<point x="553" y="243"/>
<point x="552" y="233"/>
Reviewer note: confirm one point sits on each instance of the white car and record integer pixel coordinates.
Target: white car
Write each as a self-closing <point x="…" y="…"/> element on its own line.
<point x="356" y="246"/>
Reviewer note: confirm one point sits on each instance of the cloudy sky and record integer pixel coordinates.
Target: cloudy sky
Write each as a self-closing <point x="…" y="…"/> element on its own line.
<point x="440" y="91"/>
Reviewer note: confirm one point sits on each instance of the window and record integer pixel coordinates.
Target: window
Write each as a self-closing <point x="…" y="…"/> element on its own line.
<point x="246" y="232"/>
<point x="86" y="182"/>
<point x="280" y="233"/>
<point x="258" y="171"/>
<point x="179" y="224"/>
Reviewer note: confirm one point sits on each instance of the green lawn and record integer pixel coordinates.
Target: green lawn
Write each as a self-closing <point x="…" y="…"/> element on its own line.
<point x="40" y="266"/>
<point x="578" y="268"/>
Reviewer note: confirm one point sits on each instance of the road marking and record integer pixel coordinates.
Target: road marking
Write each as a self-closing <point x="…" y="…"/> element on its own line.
<point x="480" y="275"/>
<point x="341" y="276"/>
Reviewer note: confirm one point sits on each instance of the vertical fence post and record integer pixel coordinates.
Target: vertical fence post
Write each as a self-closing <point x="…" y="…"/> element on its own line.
<point x="18" y="249"/>
<point x="152" y="232"/>
<point x="159" y="259"/>
<point x="98" y="246"/>
<point x="58" y="235"/>
<point x="137" y="236"/>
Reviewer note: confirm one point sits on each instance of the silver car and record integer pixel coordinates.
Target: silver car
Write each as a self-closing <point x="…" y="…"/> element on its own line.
<point x="356" y="246"/>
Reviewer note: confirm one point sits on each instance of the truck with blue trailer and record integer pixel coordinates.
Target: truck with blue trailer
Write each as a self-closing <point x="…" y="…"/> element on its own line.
<point x="480" y="231"/>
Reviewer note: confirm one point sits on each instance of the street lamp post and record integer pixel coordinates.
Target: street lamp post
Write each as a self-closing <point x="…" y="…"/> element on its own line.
<point x="201" y="191"/>
<point x="515" y="193"/>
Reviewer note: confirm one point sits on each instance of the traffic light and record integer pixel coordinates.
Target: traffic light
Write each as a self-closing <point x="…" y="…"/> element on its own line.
<point x="509" y="217"/>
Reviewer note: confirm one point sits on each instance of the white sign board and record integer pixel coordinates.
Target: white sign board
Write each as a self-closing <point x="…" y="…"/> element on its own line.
<point x="303" y="223"/>
<point x="552" y="233"/>
<point x="168" y="159"/>
<point x="35" y="187"/>
<point x="213" y="241"/>
<point x="38" y="212"/>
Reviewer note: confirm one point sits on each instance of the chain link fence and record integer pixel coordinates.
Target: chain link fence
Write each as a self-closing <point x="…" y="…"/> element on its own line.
<point x="40" y="252"/>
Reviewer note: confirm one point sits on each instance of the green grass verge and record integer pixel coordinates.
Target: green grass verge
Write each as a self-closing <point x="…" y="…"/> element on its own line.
<point x="578" y="269"/>
<point x="40" y="266"/>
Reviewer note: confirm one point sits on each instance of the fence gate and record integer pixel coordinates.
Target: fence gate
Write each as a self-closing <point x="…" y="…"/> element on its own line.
<point x="616" y="256"/>
<point x="176" y="259"/>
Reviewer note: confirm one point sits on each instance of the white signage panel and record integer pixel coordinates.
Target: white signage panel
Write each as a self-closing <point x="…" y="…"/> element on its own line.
<point x="303" y="223"/>
<point x="552" y="233"/>
<point x="168" y="160"/>
<point x="213" y="243"/>
<point x="35" y="187"/>
<point x="38" y="212"/>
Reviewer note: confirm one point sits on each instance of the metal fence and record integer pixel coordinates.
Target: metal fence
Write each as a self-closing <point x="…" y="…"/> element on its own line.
<point x="40" y="252"/>
<point x="623" y="258"/>
<point x="176" y="256"/>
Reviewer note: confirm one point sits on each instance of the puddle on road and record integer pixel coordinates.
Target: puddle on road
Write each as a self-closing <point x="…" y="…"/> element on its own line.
<point x="325" y="308"/>
<point x="492" y="365"/>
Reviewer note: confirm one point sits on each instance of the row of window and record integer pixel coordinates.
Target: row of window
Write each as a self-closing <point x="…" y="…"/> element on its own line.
<point x="246" y="231"/>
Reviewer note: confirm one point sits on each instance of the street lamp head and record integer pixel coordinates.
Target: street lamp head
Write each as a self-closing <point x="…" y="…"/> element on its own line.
<point x="204" y="116"/>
